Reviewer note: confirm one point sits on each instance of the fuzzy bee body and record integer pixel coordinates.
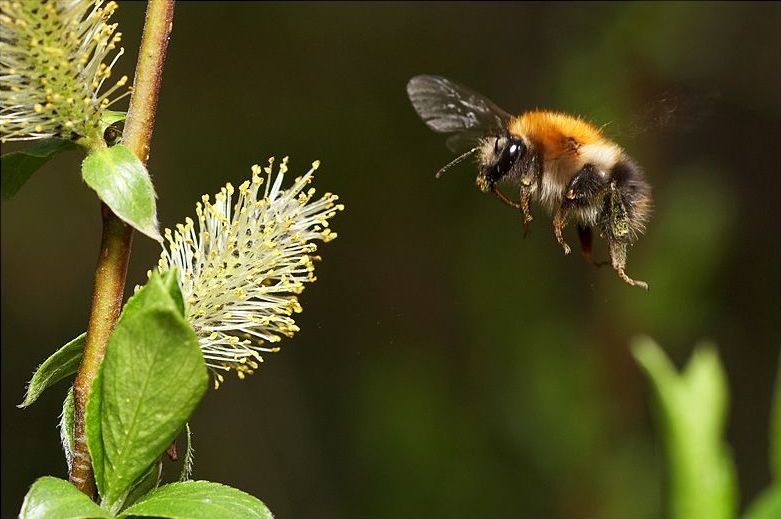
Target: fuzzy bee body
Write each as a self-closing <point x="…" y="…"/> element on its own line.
<point x="556" y="160"/>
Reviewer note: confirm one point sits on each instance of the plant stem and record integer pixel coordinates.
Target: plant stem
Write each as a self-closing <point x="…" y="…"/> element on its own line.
<point x="111" y="270"/>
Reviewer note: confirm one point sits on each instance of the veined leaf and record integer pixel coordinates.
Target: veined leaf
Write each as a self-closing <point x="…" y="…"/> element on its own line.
<point x="53" y="498"/>
<point x="199" y="500"/>
<point x="62" y="363"/>
<point x="123" y="183"/>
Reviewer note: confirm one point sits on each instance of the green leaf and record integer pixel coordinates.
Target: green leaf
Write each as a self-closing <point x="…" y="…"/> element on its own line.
<point x="18" y="166"/>
<point x="170" y="280"/>
<point x="67" y="421"/>
<point x="148" y="481"/>
<point x="93" y="428"/>
<point x="109" y="117"/>
<point x="154" y="376"/>
<point x="692" y="409"/>
<point x="62" y="363"/>
<point x="189" y="455"/>
<point x="199" y="500"/>
<point x="123" y="183"/>
<point x="53" y="498"/>
<point x="767" y="505"/>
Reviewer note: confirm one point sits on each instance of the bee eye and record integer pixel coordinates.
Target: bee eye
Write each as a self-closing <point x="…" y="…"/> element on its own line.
<point x="508" y="152"/>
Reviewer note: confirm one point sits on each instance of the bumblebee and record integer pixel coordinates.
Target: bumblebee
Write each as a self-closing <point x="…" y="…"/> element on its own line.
<point x="556" y="160"/>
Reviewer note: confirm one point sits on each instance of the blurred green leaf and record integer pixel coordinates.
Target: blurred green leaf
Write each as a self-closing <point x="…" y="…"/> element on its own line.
<point x="692" y="410"/>
<point x="775" y="429"/>
<point x="199" y="500"/>
<point x="18" y="166"/>
<point x="154" y="376"/>
<point x="123" y="183"/>
<point x="66" y="426"/>
<point x="62" y="363"/>
<point x="53" y="498"/>
<point x="767" y="505"/>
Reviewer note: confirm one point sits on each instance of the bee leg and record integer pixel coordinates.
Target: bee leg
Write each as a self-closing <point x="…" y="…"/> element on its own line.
<point x="501" y="196"/>
<point x="580" y="190"/>
<point x="618" y="259"/>
<point x="618" y="236"/>
<point x="527" y="216"/>
<point x="559" y="221"/>
<point x="584" y="236"/>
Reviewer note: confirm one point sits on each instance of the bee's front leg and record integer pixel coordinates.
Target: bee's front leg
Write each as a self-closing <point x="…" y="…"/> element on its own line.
<point x="501" y="196"/>
<point x="559" y="221"/>
<point x="525" y="212"/>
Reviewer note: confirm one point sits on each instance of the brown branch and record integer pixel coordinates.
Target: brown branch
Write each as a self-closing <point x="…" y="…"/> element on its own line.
<point x="111" y="269"/>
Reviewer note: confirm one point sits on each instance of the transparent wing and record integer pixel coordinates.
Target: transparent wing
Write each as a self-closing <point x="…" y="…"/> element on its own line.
<point x="679" y="110"/>
<point x="464" y="141"/>
<point x="447" y="107"/>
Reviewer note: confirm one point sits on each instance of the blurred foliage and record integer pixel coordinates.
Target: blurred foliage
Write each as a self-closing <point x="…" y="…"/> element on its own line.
<point x="692" y="409"/>
<point x="768" y="504"/>
<point x="445" y="367"/>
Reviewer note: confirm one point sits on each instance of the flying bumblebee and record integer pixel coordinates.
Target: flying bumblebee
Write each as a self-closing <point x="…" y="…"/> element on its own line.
<point x="559" y="161"/>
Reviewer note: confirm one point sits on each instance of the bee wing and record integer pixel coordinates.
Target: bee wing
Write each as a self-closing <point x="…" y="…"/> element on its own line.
<point x="463" y="141"/>
<point x="447" y="107"/>
<point x="678" y="110"/>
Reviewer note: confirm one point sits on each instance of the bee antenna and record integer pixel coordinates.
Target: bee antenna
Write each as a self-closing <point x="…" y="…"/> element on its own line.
<point x="457" y="160"/>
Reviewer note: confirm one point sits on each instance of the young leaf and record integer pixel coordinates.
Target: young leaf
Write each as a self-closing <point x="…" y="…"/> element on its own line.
<point x="123" y="183"/>
<point x="692" y="410"/>
<point x="199" y="500"/>
<point x="62" y="363"/>
<point x="18" y="166"/>
<point x="145" y="484"/>
<point x="94" y="430"/>
<point x="150" y="297"/>
<point x="53" y="498"/>
<point x="109" y="117"/>
<point x="66" y="427"/>
<point x="154" y="376"/>
<point x="189" y="455"/>
<point x="170" y="281"/>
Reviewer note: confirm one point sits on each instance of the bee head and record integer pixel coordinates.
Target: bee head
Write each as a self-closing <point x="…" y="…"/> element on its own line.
<point x="498" y="157"/>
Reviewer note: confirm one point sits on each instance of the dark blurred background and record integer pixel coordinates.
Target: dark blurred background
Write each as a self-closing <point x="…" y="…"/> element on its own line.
<point x="445" y="367"/>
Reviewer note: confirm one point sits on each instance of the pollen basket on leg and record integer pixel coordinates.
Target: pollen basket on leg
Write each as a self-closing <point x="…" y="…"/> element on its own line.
<point x="243" y="262"/>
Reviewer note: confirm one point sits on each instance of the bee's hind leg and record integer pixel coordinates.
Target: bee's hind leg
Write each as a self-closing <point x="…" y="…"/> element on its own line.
<point x="618" y="259"/>
<point x="618" y="236"/>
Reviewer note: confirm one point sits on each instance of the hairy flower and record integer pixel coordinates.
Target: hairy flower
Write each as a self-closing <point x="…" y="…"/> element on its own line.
<point x="241" y="269"/>
<point x="53" y="57"/>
